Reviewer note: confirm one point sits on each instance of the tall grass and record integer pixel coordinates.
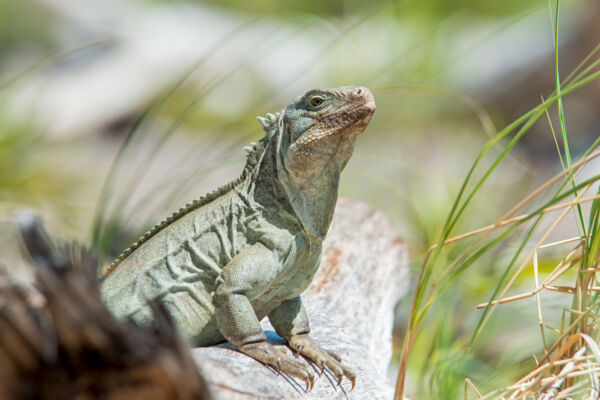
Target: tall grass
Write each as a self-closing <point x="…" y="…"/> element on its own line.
<point x="582" y="328"/>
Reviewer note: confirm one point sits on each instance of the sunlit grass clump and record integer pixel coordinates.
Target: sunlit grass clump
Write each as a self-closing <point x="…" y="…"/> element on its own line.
<point x="569" y="364"/>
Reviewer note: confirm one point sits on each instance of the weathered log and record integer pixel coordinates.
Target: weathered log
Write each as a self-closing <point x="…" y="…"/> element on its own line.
<point x="67" y="344"/>
<point x="350" y="303"/>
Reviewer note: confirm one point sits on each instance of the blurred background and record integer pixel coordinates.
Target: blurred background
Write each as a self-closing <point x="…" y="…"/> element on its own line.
<point x="113" y="113"/>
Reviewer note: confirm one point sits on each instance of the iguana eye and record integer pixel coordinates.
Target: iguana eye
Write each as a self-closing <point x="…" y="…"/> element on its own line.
<point x="316" y="102"/>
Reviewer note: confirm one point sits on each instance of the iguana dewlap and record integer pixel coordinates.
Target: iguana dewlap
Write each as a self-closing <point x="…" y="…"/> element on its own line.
<point x="249" y="249"/>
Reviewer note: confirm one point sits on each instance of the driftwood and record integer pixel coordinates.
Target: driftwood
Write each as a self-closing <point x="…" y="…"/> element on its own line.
<point x="350" y="304"/>
<point x="59" y="341"/>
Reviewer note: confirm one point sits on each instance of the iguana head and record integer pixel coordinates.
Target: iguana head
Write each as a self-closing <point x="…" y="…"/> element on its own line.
<point x="314" y="138"/>
<point x="320" y="127"/>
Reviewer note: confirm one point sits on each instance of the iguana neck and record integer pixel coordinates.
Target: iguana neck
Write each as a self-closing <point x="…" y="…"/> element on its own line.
<point x="311" y="204"/>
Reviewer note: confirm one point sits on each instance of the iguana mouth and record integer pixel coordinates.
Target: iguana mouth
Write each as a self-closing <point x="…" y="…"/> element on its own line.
<point x="346" y="120"/>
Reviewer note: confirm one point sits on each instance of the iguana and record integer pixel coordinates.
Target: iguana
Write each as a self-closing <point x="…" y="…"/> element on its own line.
<point x="249" y="249"/>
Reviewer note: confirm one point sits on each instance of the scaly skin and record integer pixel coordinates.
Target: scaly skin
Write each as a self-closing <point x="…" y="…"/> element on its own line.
<point x="248" y="250"/>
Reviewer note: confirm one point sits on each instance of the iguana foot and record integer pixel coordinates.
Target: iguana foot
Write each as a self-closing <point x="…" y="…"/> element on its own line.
<point x="280" y="360"/>
<point x="323" y="358"/>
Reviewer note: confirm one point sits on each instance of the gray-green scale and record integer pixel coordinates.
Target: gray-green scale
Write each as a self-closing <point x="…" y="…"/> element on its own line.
<point x="249" y="249"/>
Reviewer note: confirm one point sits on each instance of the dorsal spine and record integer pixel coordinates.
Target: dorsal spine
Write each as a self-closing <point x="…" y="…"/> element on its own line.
<point x="255" y="155"/>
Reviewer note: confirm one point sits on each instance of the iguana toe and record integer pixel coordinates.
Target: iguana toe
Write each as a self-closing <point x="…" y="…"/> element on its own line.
<point x="323" y="358"/>
<point x="335" y="355"/>
<point x="280" y="361"/>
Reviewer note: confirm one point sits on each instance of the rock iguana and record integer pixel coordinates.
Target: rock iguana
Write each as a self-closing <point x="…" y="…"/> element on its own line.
<point x="249" y="249"/>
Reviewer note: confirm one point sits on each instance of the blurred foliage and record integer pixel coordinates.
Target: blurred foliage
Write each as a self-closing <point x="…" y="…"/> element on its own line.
<point x="22" y="179"/>
<point x="336" y="8"/>
<point x="24" y="26"/>
<point x="42" y="174"/>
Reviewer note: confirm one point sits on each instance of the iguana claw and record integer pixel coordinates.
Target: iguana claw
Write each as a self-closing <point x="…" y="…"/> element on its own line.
<point x="281" y="361"/>
<point x="297" y="353"/>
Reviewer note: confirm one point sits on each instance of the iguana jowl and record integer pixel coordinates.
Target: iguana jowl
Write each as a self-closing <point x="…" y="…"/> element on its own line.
<point x="248" y="250"/>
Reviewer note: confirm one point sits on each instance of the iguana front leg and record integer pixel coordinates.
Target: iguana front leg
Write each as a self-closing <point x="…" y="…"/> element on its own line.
<point x="291" y="323"/>
<point x="242" y="279"/>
